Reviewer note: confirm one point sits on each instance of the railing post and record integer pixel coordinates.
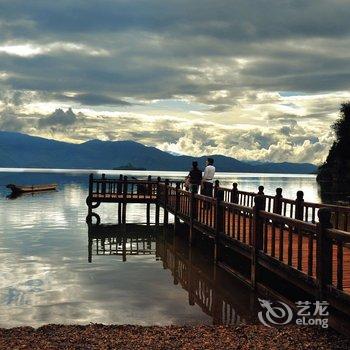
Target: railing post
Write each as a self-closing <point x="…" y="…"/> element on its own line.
<point x="216" y="186"/>
<point x="148" y="205"/>
<point x="89" y="198"/>
<point x="261" y="193"/>
<point x="193" y="207"/>
<point x="277" y="201"/>
<point x="103" y="185"/>
<point x="299" y="206"/>
<point x="257" y="239"/>
<point x="219" y="223"/>
<point x="166" y="214"/>
<point x="177" y="206"/>
<point x="120" y="184"/>
<point x="125" y="193"/>
<point x="324" y="253"/>
<point x="119" y="192"/>
<point x="157" y="201"/>
<point x="149" y="186"/>
<point x="234" y="193"/>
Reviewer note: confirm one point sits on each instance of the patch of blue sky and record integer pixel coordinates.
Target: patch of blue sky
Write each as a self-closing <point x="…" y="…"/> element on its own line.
<point x="173" y="105"/>
<point x="291" y="93"/>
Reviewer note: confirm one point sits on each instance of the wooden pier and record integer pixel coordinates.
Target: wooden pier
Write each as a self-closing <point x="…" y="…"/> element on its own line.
<point x="304" y="244"/>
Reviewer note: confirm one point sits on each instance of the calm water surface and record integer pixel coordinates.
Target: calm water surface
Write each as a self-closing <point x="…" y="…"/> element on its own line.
<point x="45" y="276"/>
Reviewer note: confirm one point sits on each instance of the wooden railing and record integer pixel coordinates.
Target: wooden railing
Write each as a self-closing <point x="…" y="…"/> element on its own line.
<point x="104" y="188"/>
<point x="312" y="254"/>
<point x="300" y="241"/>
<point x="296" y="208"/>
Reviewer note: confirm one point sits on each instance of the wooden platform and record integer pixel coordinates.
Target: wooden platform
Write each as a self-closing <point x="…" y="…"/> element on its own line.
<point x="274" y="235"/>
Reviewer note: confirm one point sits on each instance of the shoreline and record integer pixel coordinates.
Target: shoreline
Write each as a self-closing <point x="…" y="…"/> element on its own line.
<point x="99" y="336"/>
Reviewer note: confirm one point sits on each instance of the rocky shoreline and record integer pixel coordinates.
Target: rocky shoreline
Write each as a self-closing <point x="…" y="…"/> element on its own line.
<point x="97" y="336"/>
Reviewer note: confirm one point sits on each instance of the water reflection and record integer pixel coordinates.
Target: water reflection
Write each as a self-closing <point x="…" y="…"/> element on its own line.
<point x="45" y="276"/>
<point x="123" y="240"/>
<point x="219" y="295"/>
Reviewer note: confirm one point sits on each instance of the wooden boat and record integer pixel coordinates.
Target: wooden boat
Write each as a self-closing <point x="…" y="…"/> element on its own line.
<point x="16" y="189"/>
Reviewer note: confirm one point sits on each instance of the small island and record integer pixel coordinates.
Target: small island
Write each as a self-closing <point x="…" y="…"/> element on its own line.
<point x="128" y="166"/>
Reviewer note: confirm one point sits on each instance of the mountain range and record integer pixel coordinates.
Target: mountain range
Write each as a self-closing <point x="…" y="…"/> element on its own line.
<point x="26" y="151"/>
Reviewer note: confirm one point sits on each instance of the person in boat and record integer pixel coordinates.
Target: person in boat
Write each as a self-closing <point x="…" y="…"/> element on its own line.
<point x="208" y="178"/>
<point x="194" y="178"/>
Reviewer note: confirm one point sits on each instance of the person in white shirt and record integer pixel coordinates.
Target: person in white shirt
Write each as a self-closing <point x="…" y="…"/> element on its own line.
<point x="208" y="178"/>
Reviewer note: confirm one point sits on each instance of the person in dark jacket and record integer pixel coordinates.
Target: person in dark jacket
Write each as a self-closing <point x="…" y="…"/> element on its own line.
<point x="194" y="178"/>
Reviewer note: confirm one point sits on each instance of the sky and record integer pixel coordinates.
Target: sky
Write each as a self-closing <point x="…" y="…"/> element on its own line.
<point x="255" y="80"/>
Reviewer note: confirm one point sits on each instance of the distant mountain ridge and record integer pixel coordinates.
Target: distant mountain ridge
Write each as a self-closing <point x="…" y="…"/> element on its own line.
<point x="25" y="151"/>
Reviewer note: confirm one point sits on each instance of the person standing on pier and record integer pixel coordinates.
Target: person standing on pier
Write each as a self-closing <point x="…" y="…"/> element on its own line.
<point x="194" y="178"/>
<point x="208" y="178"/>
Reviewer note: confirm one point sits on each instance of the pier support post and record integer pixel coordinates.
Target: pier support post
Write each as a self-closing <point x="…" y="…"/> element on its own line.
<point x="89" y="199"/>
<point x="125" y="193"/>
<point x="90" y="242"/>
<point x="299" y="206"/>
<point x="219" y="223"/>
<point x="257" y="239"/>
<point x="216" y="187"/>
<point x="261" y="193"/>
<point x="148" y="205"/>
<point x="193" y="206"/>
<point x="177" y="207"/>
<point x="119" y="192"/>
<point x="103" y="185"/>
<point x="157" y="202"/>
<point x="166" y="213"/>
<point x="277" y="201"/>
<point x="191" y="288"/>
<point x="234" y="193"/>
<point x="324" y="254"/>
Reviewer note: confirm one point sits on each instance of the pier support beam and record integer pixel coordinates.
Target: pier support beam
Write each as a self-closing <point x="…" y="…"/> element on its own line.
<point x="148" y="205"/>
<point x="120" y="191"/>
<point x="234" y="193"/>
<point x="324" y="252"/>
<point x="257" y="240"/>
<point x="219" y="223"/>
<point x="166" y="213"/>
<point x="193" y="207"/>
<point x="277" y="201"/>
<point x="148" y="214"/>
<point x="299" y="206"/>
<point x="157" y="203"/>
<point x="177" y="207"/>
<point x="125" y="193"/>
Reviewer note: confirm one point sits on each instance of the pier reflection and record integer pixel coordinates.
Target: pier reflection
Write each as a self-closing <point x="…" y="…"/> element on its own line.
<point x="218" y="294"/>
<point x="123" y="240"/>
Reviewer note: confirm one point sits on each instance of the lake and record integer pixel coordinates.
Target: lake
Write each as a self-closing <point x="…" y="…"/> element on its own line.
<point x="45" y="276"/>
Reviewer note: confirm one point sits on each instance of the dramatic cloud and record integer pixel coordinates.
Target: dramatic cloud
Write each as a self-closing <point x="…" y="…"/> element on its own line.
<point x="10" y="122"/>
<point x="258" y="80"/>
<point x="59" y="117"/>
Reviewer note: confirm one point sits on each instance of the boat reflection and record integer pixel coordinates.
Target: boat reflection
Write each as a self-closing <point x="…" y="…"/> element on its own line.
<point x="218" y="294"/>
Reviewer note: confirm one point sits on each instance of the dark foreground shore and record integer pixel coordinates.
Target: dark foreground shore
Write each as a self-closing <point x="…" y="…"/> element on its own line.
<point x="96" y="336"/>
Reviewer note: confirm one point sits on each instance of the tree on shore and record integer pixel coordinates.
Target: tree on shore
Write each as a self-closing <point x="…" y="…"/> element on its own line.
<point x="336" y="168"/>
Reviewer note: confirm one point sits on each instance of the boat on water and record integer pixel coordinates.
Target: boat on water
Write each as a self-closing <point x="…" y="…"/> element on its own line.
<point x="18" y="189"/>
